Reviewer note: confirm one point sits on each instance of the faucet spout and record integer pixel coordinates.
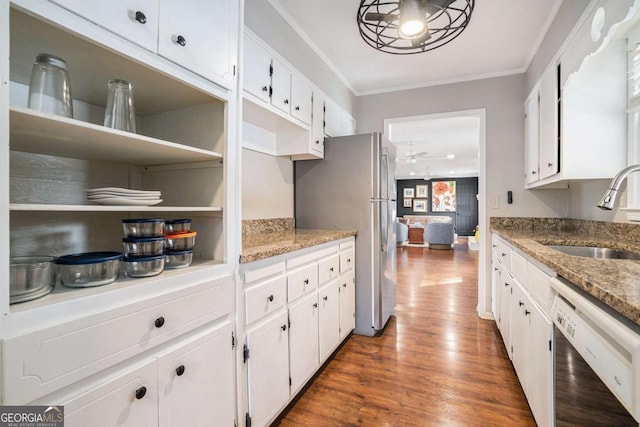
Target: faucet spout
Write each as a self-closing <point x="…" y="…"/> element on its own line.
<point x="608" y="201"/>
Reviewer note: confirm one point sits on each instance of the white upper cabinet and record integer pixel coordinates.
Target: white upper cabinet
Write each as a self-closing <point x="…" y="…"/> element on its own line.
<point x="549" y="156"/>
<point x="301" y="95"/>
<point x="135" y="20"/>
<point x="332" y="119"/>
<point x="317" y="124"/>
<point x="201" y="36"/>
<point x="280" y="86"/>
<point x="532" y="138"/>
<point x="257" y="63"/>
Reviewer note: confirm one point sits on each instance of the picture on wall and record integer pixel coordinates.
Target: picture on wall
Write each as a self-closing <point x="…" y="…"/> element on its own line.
<point x="443" y="196"/>
<point x="419" y="205"/>
<point x="422" y="191"/>
<point x="407" y="203"/>
<point x="408" y="192"/>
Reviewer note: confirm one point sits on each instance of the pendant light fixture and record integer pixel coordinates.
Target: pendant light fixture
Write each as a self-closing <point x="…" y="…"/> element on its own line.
<point x="405" y="27"/>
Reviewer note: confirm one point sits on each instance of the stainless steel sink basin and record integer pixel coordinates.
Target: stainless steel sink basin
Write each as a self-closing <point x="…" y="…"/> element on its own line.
<point x="593" y="252"/>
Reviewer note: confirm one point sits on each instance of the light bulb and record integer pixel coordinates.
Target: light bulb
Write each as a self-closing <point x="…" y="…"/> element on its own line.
<point x="413" y="20"/>
<point x="412" y="29"/>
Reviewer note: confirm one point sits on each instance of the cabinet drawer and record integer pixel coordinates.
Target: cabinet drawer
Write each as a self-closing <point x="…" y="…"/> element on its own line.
<point x="540" y="287"/>
<point x="41" y="362"/>
<point x="301" y="281"/>
<point x="504" y="254"/>
<point x="256" y="274"/>
<point x="519" y="268"/>
<point x="346" y="259"/>
<point x="328" y="269"/>
<point x="265" y="298"/>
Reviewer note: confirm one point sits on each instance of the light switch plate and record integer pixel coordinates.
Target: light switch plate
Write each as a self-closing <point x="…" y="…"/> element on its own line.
<point x="494" y="202"/>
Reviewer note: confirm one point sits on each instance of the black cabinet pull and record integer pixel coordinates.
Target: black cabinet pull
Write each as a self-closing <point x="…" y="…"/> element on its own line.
<point x="306" y="281"/>
<point x="506" y="284"/>
<point x="348" y="259"/>
<point x="283" y="327"/>
<point x="331" y="269"/>
<point x="503" y="254"/>
<point x="527" y="312"/>
<point x="286" y="101"/>
<point x="325" y="298"/>
<point x="141" y="392"/>
<point x="140" y="17"/>
<point x="297" y="108"/>
<point x="344" y="285"/>
<point x="181" y="41"/>
<point x="265" y="89"/>
<point x="270" y="298"/>
<point x="159" y="322"/>
<point x="317" y="142"/>
<point x="533" y="172"/>
<point x="495" y="268"/>
<point x="520" y="303"/>
<point x="550" y="164"/>
<point x="315" y="305"/>
<point x="180" y="370"/>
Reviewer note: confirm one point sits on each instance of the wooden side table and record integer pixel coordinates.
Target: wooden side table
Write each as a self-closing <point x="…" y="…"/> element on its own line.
<point x="416" y="235"/>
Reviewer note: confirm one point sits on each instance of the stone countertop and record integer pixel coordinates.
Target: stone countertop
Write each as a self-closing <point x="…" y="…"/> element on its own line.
<point x="265" y="245"/>
<point x="615" y="282"/>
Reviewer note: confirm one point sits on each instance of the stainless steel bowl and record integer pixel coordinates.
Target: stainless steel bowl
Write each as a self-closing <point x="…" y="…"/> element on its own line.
<point x="89" y="269"/>
<point x="178" y="259"/>
<point x="30" y="278"/>
<point x="143" y="266"/>
<point x="143" y="227"/>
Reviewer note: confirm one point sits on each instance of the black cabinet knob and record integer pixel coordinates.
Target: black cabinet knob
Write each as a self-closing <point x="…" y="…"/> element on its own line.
<point x="503" y="254"/>
<point x="325" y="298"/>
<point x="520" y="303"/>
<point x="159" y="322"/>
<point x="283" y="327"/>
<point x="140" y="17"/>
<point x="265" y="89"/>
<point x="317" y="142"/>
<point x="348" y="259"/>
<point x="331" y="269"/>
<point x="527" y="312"/>
<point x="306" y="281"/>
<point x="550" y="164"/>
<point x="315" y="305"/>
<point x="297" y="108"/>
<point x="270" y="298"/>
<point x="533" y="172"/>
<point x="180" y="370"/>
<point x="140" y="393"/>
<point x="506" y="284"/>
<point x="286" y="101"/>
<point x="495" y="268"/>
<point x="344" y="285"/>
<point x="181" y="41"/>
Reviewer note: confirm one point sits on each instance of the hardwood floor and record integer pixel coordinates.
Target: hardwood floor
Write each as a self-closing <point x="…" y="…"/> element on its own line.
<point x="435" y="364"/>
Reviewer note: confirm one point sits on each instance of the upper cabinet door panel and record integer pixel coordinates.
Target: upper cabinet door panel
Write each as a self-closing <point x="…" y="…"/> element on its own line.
<point x="201" y="36"/>
<point x="281" y="87"/>
<point x="300" y="99"/>
<point x="549" y="155"/>
<point x="135" y="20"/>
<point x="257" y="62"/>
<point x="532" y="147"/>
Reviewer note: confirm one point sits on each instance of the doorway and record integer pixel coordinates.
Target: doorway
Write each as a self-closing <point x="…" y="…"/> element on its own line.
<point x="437" y="156"/>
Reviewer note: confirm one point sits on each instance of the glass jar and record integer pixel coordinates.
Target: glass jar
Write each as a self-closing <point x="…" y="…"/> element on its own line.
<point x="49" y="89"/>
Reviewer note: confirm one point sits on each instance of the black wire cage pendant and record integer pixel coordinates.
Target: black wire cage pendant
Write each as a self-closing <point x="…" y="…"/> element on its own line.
<point x="434" y="23"/>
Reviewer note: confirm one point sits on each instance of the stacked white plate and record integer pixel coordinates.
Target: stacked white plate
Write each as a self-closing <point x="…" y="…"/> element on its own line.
<point x="123" y="196"/>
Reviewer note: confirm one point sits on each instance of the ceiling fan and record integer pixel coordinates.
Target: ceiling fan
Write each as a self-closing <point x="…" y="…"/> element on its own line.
<point x="423" y="155"/>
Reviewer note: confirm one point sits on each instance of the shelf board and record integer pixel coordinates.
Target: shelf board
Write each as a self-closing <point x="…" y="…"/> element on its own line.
<point x="104" y="208"/>
<point x="36" y="132"/>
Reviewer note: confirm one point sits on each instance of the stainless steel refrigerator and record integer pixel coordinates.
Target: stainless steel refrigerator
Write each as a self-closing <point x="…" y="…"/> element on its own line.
<point x="354" y="188"/>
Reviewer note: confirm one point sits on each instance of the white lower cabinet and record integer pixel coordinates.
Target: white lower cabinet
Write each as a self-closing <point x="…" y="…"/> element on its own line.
<point x="169" y="388"/>
<point x="286" y="347"/>
<point x="303" y="340"/>
<point x="268" y="369"/>
<point x="526" y="329"/>
<point x="329" y="301"/>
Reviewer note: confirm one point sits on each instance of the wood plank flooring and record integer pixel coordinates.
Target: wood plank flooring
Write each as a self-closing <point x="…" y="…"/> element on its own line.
<point x="436" y="363"/>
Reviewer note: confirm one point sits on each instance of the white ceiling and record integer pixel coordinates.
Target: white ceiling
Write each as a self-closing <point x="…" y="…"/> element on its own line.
<point x="501" y="39"/>
<point x="439" y="138"/>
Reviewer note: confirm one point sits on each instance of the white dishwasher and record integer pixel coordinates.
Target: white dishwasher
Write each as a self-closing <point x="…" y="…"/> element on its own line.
<point x="597" y="363"/>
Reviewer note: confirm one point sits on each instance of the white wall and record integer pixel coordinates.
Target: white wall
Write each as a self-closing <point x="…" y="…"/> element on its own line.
<point x="267" y="186"/>
<point x="261" y="18"/>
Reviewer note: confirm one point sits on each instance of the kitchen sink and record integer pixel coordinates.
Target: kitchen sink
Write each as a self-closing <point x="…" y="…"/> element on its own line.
<point x="594" y="252"/>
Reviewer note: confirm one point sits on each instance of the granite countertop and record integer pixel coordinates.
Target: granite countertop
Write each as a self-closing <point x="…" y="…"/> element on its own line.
<point x="615" y="282"/>
<point x="265" y="245"/>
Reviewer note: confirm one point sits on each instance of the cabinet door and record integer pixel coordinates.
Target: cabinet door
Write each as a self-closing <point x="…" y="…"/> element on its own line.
<point x="496" y="287"/>
<point x="135" y="20"/>
<point x="300" y="99"/>
<point x="129" y="400"/>
<point x="347" y="303"/>
<point x="549" y="155"/>
<point x="257" y="62"/>
<point x="505" y="309"/>
<point x="540" y="366"/>
<point x="268" y="369"/>
<point x="303" y="340"/>
<point x="201" y="36"/>
<point x="317" y="123"/>
<point x="281" y="87"/>
<point x="532" y="150"/>
<point x="198" y="375"/>
<point x="519" y="332"/>
<point x="333" y="119"/>
<point x="329" y="319"/>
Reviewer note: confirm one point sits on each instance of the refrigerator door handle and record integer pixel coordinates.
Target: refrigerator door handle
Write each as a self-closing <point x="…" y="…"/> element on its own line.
<point x="384" y="230"/>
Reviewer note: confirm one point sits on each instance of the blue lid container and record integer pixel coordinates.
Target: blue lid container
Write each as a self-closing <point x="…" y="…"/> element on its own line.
<point x="88" y="258"/>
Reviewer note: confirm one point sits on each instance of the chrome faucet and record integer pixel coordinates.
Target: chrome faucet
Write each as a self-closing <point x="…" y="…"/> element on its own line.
<point x="609" y="199"/>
